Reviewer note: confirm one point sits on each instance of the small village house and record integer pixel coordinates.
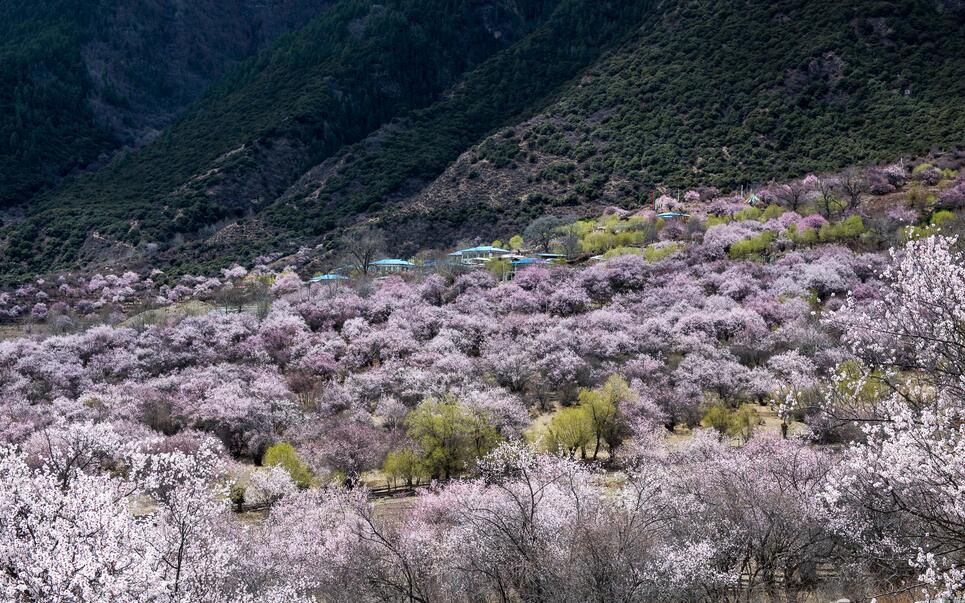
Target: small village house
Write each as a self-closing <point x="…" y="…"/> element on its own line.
<point x="391" y="266"/>
<point x="473" y="255"/>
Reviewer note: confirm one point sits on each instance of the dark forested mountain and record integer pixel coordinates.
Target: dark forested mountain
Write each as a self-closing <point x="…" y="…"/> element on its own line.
<point x="718" y="94"/>
<point x="435" y="116"/>
<point x="80" y="78"/>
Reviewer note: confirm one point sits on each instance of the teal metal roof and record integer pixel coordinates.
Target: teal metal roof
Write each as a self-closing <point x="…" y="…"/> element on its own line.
<point x="327" y="277"/>
<point x="481" y="249"/>
<point x="392" y="262"/>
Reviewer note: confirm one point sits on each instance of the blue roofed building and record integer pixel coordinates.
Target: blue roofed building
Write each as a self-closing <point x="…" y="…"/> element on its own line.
<point x="391" y="266"/>
<point x="521" y="263"/>
<point x="473" y="255"/>
<point x="332" y="280"/>
<point x="327" y="278"/>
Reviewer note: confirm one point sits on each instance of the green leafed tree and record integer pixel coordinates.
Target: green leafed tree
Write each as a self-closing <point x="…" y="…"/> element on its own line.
<point x="284" y="455"/>
<point x="450" y="435"/>
<point x="598" y="419"/>
<point x="569" y="431"/>
<point x="603" y="407"/>
<point x="403" y="465"/>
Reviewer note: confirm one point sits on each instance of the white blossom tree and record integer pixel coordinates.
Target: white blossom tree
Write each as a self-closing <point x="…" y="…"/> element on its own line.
<point x="902" y="490"/>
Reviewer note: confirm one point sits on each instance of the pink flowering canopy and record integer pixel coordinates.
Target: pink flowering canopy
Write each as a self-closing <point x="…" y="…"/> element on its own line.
<point x="720" y="412"/>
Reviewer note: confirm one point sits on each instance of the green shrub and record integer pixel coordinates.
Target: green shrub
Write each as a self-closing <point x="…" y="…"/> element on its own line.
<point x="284" y="455"/>
<point x="655" y="253"/>
<point x="717" y="220"/>
<point x="748" y="213"/>
<point x="739" y="423"/>
<point x="717" y="417"/>
<point x="942" y="218"/>
<point x="450" y="435"/>
<point x="743" y="422"/>
<point x="772" y="212"/>
<point x="850" y="228"/>
<point x="499" y="268"/>
<point x="618" y="251"/>
<point x="753" y="247"/>
<point x="807" y="237"/>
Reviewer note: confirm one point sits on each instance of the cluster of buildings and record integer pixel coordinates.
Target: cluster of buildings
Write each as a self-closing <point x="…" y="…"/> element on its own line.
<point x="482" y="255"/>
<point x="467" y="259"/>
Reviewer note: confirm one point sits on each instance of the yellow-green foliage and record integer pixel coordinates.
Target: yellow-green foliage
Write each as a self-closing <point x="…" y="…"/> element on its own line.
<point x="450" y="435"/>
<point x="583" y="227"/>
<point x="609" y="222"/>
<point x="913" y="233"/>
<point x="598" y="241"/>
<point x="937" y="221"/>
<point x="808" y="236"/>
<point x="716" y="220"/>
<point x="743" y="422"/>
<point x="264" y="279"/>
<point x="616" y="251"/>
<point x="652" y="253"/>
<point x="570" y="430"/>
<point x="655" y="253"/>
<point x="738" y="423"/>
<point x="918" y="196"/>
<point x="850" y="228"/>
<point x="499" y="268"/>
<point x="516" y="242"/>
<point x="772" y="212"/>
<point x="403" y="465"/>
<point x="284" y="455"/>
<point x="855" y="383"/>
<point x="942" y="218"/>
<point x="748" y="213"/>
<point x="595" y="420"/>
<point x="610" y="233"/>
<point x="602" y="408"/>
<point x="717" y="417"/>
<point x="752" y="247"/>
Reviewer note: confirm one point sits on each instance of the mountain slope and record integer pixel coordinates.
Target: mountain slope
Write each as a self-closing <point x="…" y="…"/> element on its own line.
<point x="80" y="79"/>
<point x="411" y="152"/>
<point x="720" y="94"/>
<point x="331" y="84"/>
<point x="441" y="120"/>
<point x="348" y="72"/>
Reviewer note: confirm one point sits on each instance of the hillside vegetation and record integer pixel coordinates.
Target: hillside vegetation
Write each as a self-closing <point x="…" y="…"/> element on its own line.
<point x="81" y="79"/>
<point x="435" y="118"/>
<point x="722" y="94"/>
<point x="746" y="403"/>
<point x="354" y="68"/>
<point x="38" y="68"/>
